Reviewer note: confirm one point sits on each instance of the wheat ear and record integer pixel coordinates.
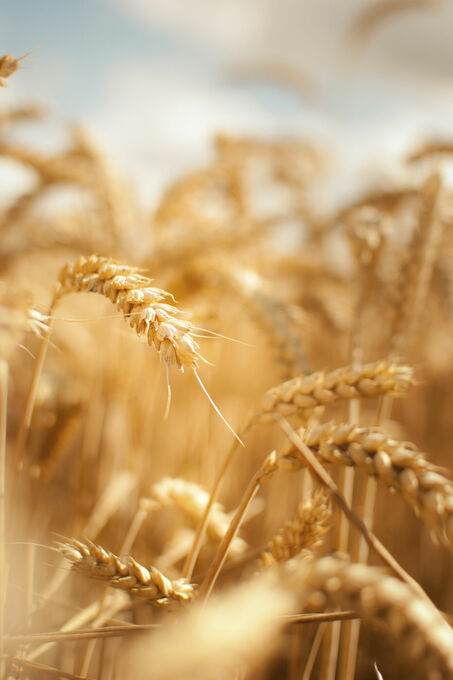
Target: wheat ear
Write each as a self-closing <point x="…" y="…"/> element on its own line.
<point x="322" y="389"/>
<point x="140" y="303"/>
<point x="143" y="306"/>
<point x="126" y="574"/>
<point x="192" y="499"/>
<point x="396" y="465"/>
<point x="306" y="456"/>
<point x="303" y="532"/>
<point x="418" y="628"/>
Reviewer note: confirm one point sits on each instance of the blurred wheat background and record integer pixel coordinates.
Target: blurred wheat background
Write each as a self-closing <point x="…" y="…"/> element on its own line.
<point x="226" y="362"/>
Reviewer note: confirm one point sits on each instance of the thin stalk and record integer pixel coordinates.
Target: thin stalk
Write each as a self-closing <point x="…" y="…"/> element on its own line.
<point x="3" y="419"/>
<point x="348" y="475"/>
<point x="132" y="532"/>
<point x="88" y="633"/>
<point x="30" y="560"/>
<point x="216" y="566"/>
<point x="322" y="617"/>
<point x="117" y="602"/>
<point x="359" y="554"/>
<point x="201" y="529"/>
<point x="314" y="651"/>
<point x="27" y="412"/>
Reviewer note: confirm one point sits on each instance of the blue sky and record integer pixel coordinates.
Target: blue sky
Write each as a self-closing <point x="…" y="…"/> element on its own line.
<point x="86" y="37"/>
<point x="152" y="80"/>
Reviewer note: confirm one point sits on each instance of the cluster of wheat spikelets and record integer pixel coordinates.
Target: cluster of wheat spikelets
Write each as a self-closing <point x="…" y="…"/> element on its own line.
<point x="127" y="507"/>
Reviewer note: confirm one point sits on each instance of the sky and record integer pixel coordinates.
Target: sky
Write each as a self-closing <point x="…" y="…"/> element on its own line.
<point x="153" y="80"/>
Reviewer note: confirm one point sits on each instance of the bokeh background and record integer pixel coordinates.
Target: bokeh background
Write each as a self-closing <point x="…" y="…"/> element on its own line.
<point x="154" y="79"/>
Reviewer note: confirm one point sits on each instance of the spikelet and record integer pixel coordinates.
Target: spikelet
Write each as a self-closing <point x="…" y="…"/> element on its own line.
<point x="294" y="396"/>
<point x="303" y="533"/>
<point x="126" y="574"/>
<point x="141" y="304"/>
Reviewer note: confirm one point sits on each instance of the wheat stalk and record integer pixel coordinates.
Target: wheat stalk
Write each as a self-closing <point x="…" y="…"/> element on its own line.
<point x="126" y="573"/>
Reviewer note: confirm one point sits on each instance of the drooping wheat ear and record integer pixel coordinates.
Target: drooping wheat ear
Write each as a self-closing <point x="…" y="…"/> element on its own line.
<point x="376" y="13"/>
<point x="430" y="148"/>
<point x="321" y="389"/>
<point x="141" y="304"/>
<point x="418" y="628"/>
<point x="126" y="574"/>
<point x="20" y="113"/>
<point x="192" y="499"/>
<point x="409" y="296"/>
<point x="282" y="322"/>
<point x="109" y="188"/>
<point x="303" y="532"/>
<point x="396" y="465"/>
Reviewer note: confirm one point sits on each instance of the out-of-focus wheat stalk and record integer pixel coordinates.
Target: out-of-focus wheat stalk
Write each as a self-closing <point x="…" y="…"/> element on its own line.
<point x="417" y="627"/>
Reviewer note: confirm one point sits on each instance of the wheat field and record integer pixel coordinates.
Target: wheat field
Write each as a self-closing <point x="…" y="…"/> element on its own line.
<point x="233" y="461"/>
